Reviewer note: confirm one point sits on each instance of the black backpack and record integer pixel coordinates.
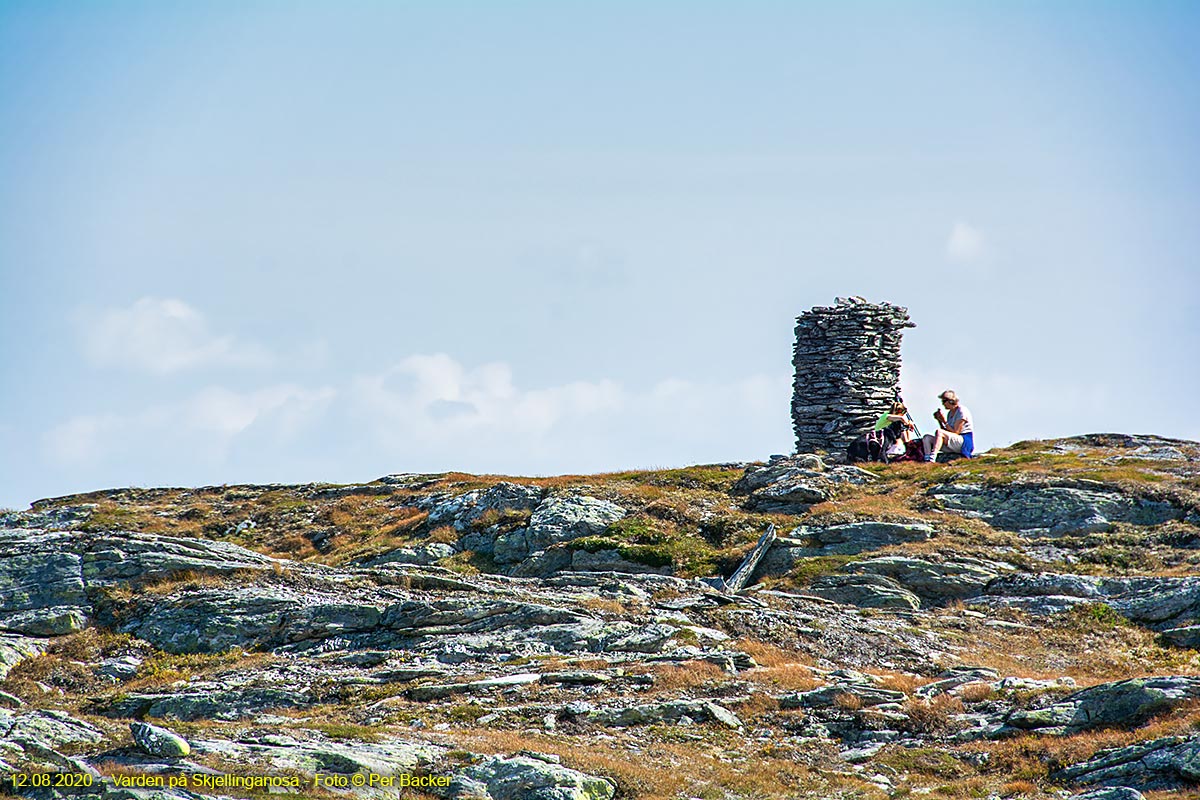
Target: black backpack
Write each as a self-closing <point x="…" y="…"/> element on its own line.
<point x="873" y="446"/>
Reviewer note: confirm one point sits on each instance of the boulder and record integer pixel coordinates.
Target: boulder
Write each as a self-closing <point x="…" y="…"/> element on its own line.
<point x="557" y="519"/>
<point x="527" y="776"/>
<point x="1110" y="793"/>
<point x="792" y="484"/>
<point x="158" y="741"/>
<point x="465" y="511"/>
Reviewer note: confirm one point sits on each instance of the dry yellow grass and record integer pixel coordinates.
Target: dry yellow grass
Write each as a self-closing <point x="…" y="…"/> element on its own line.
<point x="766" y="654"/>
<point x="791" y="677"/>
<point x="692" y="675"/>
<point x="1060" y="645"/>
<point x="976" y="692"/>
<point x="443" y="534"/>
<point x="901" y="681"/>
<point x="668" y="770"/>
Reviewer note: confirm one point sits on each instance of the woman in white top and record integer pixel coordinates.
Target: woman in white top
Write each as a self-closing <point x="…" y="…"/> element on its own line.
<point x="955" y="433"/>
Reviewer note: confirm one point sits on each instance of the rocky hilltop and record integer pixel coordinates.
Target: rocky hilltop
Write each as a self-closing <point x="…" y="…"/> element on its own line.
<point x="1024" y="625"/>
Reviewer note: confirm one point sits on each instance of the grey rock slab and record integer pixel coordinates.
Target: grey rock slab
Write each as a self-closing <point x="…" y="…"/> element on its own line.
<point x="1110" y="793"/>
<point x="45" y="576"/>
<point x="864" y="591"/>
<point x="1171" y="762"/>
<point x="1183" y="636"/>
<point x="955" y="677"/>
<point x="208" y="702"/>
<point x="1053" y="510"/>
<point x="117" y="558"/>
<point x="545" y="563"/>
<point x="388" y="757"/>
<point x="1041" y="605"/>
<point x="41" y="583"/>
<point x="1048" y="583"/>
<point x="50" y="519"/>
<point x="827" y="696"/>
<point x="48" y="729"/>
<point x="527" y="777"/>
<point x="859" y="755"/>
<point x="1161" y="603"/>
<point x="670" y="711"/>
<point x="440" y="691"/>
<point x="937" y="581"/>
<point x="848" y="539"/>
<point x="1125" y="703"/>
<point x="612" y="561"/>
<point x="575" y="678"/>
<point x="158" y="741"/>
<point x="120" y="668"/>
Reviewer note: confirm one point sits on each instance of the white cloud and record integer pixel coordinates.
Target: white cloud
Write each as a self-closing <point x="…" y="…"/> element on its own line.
<point x="204" y="425"/>
<point x="965" y="243"/>
<point x="430" y="413"/>
<point x="433" y="398"/>
<point x="430" y="410"/>
<point x="163" y="336"/>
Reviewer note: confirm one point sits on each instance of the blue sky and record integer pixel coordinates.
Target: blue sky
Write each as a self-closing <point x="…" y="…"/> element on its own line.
<point x="328" y="241"/>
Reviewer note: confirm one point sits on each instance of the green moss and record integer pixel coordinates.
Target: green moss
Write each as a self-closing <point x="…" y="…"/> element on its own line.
<point x="466" y="713"/>
<point x="468" y="562"/>
<point x="112" y="517"/>
<point x="807" y="569"/>
<point x="507" y="518"/>
<point x="345" y="731"/>
<point x="713" y="477"/>
<point x="1089" y="617"/>
<point x="926" y="761"/>
<point x="650" y="555"/>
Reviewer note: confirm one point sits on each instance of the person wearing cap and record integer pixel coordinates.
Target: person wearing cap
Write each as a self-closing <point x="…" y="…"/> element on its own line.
<point x="955" y="433"/>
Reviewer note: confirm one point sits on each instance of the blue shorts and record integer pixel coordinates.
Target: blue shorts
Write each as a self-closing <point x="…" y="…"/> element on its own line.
<point x="968" y="444"/>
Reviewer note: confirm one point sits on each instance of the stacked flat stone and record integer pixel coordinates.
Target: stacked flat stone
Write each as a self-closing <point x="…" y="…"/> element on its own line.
<point x="847" y="361"/>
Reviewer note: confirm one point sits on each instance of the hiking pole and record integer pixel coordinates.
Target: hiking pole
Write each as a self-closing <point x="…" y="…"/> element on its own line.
<point x="907" y="415"/>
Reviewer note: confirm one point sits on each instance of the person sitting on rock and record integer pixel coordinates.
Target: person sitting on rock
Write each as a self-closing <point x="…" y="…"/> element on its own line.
<point x="901" y="427"/>
<point x="911" y="448"/>
<point x="955" y="433"/>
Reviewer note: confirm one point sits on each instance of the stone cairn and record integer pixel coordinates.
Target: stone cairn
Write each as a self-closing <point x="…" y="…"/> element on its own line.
<point x="847" y="360"/>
